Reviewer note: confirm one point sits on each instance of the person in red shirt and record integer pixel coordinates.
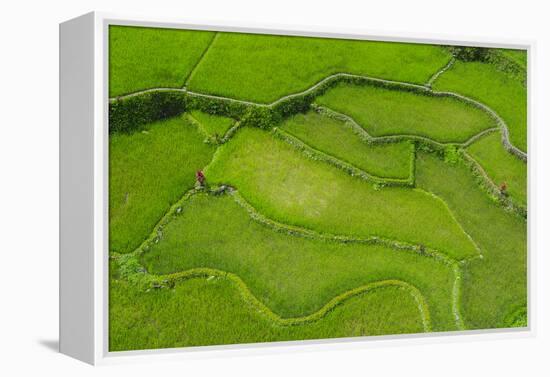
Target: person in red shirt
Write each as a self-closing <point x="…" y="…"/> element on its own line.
<point x="200" y="177"/>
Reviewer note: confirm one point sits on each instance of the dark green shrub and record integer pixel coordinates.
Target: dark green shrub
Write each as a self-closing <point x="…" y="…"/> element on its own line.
<point x="131" y="113"/>
<point x="293" y="105"/>
<point x="492" y="56"/>
<point x="217" y="106"/>
<point x="262" y="117"/>
<point x="424" y="146"/>
<point x="451" y="154"/>
<point x="167" y="104"/>
<point x="504" y="64"/>
<point x="470" y="54"/>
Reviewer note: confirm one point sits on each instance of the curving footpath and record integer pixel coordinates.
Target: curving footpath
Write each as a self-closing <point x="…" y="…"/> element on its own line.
<point x="440" y="72"/>
<point x="317" y="88"/>
<point x="349" y="168"/>
<point x="249" y="298"/>
<point x="361" y="132"/>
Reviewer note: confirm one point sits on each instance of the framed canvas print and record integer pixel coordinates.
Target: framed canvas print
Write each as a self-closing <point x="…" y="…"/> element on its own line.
<point x="224" y="187"/>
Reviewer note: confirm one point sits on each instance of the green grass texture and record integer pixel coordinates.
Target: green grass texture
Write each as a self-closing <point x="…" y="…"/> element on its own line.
<point x="282" y="184"/>
<point x="486" y="83"/>
<point x="517" y="56"/>
<point x="501" y="166"/>
<point x="148" y="172"/>
<point x="384" y="112"/>
<point x="201" y="312"/>
<point x="495" y="285"/>
<point x="143" y="58"/>
<point x="293" y="275"/>
<point x="263" y="68"/>
<point x="333" y="137"/>
<point x="212" y="125"/>
<point x="278" y="248"/>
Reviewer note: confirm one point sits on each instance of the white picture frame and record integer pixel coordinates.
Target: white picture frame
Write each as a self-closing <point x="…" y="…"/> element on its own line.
<point x="84" y="160"/>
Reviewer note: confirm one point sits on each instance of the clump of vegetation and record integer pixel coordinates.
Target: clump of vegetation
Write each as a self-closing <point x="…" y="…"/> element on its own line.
<point x="423" y="146"/>
<point x="511" y="62"/>
<point x="470" y="54"/>
<point x="422" y="249"/>
<point x="127" y="115"/>
<point x="451" y="154"/>
<point x="261" y="117"/>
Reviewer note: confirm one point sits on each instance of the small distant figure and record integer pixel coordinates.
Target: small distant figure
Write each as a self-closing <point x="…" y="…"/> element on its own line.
<point x="200" y="178"/>
<point x="422" y="249"/>
<point x="503" y="187"/>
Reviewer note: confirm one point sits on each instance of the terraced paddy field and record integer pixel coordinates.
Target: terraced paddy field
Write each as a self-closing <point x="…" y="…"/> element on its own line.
<point x="271" y="188"/>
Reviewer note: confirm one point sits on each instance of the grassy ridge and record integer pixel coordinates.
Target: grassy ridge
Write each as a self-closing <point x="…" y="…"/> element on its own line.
<point x="294" y="276"/>
<point x="384" y="112"/>
<point x="143" y="58"/>
<point x="285" y="186"/>
<point x="501" y="166"/>
<point x="495" y="285"/>
<point x="333" y="137"/>
<point x="200" y="312"/>
<point x="149" y="171"/>
<point x="487" y="84"/>
<point x="263" y="68"/>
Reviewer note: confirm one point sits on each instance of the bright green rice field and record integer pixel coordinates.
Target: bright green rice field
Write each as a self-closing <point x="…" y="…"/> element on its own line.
<point x="144" y="58"/>
<point x="263" y="68"/>
<point x="295" y="245"/>
<point x="486" y="83"/>
<point x="501" y="166"/>
<point x="385" y="112"/>
<point x="391" y="160"/>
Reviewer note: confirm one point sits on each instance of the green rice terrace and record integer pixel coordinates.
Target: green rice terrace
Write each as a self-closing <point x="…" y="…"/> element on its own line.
<point x="272" y="188"/>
